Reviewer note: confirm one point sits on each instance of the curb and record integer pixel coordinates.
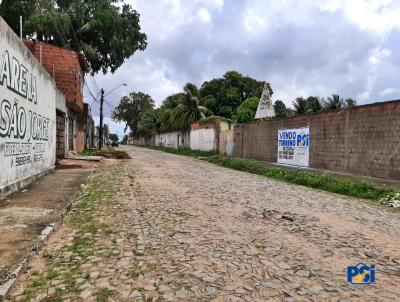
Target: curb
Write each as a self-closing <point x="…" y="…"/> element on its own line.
<point x="23" y="265"/>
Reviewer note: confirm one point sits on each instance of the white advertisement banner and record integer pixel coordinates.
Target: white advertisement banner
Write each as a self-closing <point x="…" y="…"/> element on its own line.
<point x="294" y="146"/>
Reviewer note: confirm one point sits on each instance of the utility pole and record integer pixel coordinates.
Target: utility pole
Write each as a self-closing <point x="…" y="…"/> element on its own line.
<point x="101" y="113"/>
<point x="101" y="120"/>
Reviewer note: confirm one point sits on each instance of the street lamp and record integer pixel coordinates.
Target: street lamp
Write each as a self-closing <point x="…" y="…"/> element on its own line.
<point x="101" y="113"/>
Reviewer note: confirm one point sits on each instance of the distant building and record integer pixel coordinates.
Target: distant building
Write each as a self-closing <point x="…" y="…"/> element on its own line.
<point x="68" y="68"/>
<point x="90" y="127"/>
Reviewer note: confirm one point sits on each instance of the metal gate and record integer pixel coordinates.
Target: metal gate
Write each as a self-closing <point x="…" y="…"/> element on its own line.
<point x="60" y="136"/>
<point x="71" y="134"/>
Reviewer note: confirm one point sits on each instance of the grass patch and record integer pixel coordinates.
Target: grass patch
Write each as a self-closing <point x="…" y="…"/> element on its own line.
<point x="107" y="152"/>
<point x="322" y="181"/>
<point x="63" y="267"/>
<point x="88" y="152"/>
<point x="104" y="294"/>
<point x="183" y="151"/>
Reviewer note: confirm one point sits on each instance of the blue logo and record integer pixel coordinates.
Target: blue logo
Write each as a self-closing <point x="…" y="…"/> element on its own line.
<point x="361" y="274"/>
<point x="303" y="140"/>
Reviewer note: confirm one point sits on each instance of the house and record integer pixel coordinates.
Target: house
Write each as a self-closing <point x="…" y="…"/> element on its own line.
<point x="68" y="68"/>
<point x="89" y="127"/>
<point x="214" y="134"/>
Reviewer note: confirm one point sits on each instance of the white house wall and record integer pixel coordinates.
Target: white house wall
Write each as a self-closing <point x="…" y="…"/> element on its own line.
<point x="173" y="139"/>
<point x="203" y="139"/>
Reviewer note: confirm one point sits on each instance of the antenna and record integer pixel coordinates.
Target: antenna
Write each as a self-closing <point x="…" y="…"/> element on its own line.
<point x="20" y="27"/>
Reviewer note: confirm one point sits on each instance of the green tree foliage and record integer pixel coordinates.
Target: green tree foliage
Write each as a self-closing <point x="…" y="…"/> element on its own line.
<point x="149" y="123"/>
<point x="280" y="109"/>
<point x="124" y="139"/>
<point x="113" y="137"/>
<point x="106" y="31"/>
<point x="173" y="100"/>
<point x="247" y="110"/>
<point x="189" y="110"/>
<point x="11" y="10"/>
<point x="300" y="105"/>
<point x="334" y="102"/>
<point x="223" y="95"/>
<point x="350" y="103"/>
<point x="313" y="104"/>
<point x="131" y="108"/>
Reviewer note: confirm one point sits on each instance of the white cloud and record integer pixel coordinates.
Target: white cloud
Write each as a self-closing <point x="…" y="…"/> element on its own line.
<point x="377" y="16"/>
<point x="254" y="22"/>
<point x="379" y="55"/>
<point x="390" y="92"/>
<point x="302" y="47"/>
<point x="218" y="4"/>
<point x="204" y="15"/>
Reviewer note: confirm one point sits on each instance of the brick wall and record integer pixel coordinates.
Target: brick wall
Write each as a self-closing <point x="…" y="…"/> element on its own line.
<point x="65" y="66"/>
<point x="364" y="140"/>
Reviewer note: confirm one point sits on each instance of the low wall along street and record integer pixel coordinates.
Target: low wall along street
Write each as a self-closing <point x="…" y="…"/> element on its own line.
<point x="27" y="114"/>
<point x="364" y="140"/>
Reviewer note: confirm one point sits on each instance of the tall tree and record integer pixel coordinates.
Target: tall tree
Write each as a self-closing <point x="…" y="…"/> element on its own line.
<point x="300" y="105"/>
<point x="334" y="102"/>
<point x="350" y="103"/>
<point x="227" y="93"/>
<point x="113" y="137"/>
<point x="150" y="123"/>
<point x="106" y="31"/>
<point x="247" y="110"/>
<point x="125" y="139"/>
<point x="131" y="108"/>
<point x="313" y="104"/>
<point x="11" y="10"/>
<point x="280" y="109"/>
<point x="173" y="100"/>
<point x="190" y="110"/>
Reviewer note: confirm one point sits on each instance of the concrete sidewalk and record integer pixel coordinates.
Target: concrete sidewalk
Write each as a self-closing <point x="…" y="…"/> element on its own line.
<point x="27" y="217"/>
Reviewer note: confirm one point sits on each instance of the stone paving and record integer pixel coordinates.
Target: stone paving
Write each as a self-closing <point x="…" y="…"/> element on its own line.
<point x="161" y="227"/>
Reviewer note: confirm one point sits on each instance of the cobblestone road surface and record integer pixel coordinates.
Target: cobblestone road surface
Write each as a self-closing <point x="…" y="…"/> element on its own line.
<point x="187" y="230"/>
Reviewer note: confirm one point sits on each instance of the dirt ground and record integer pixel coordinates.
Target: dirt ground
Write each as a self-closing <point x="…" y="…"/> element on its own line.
<point x="161" y="227"/>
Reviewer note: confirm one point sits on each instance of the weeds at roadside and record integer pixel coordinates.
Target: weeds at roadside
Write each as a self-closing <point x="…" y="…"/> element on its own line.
<point x="321" y="181"/>
<point x="104" y="294"/>
<point x="63" y="273"/>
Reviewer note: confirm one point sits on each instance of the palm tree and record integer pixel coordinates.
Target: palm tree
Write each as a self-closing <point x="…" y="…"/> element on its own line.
<point x="279" y="108"/>
<point x="149" y="123"/>
<point x="313" y="104"/>
<point x="300" y="105"/>
<point x="350" y="103"/>
<point x="189" y="110"/>
<point x="334" y="102"/>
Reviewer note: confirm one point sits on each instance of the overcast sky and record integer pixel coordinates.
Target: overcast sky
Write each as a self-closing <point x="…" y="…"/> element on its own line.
<point x="349" y="47"/>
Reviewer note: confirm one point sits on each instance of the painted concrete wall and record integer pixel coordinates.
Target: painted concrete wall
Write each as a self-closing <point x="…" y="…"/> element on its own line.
<point x="27" y="114"/>
<point x="175" y="139"/>
<point x="203" y="139"/>
<point x="226" y="142"/>
<point x="61" y="101"/>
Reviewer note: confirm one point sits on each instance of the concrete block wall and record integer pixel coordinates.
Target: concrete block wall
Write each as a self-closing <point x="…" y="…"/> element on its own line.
<point x="364" y="140"/>
<point x="226" y="142"/>
<point x="64" y="66"/>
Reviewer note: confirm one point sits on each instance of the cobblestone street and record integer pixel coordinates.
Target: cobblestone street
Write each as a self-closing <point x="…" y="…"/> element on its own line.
<point x="161" y="227"/>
